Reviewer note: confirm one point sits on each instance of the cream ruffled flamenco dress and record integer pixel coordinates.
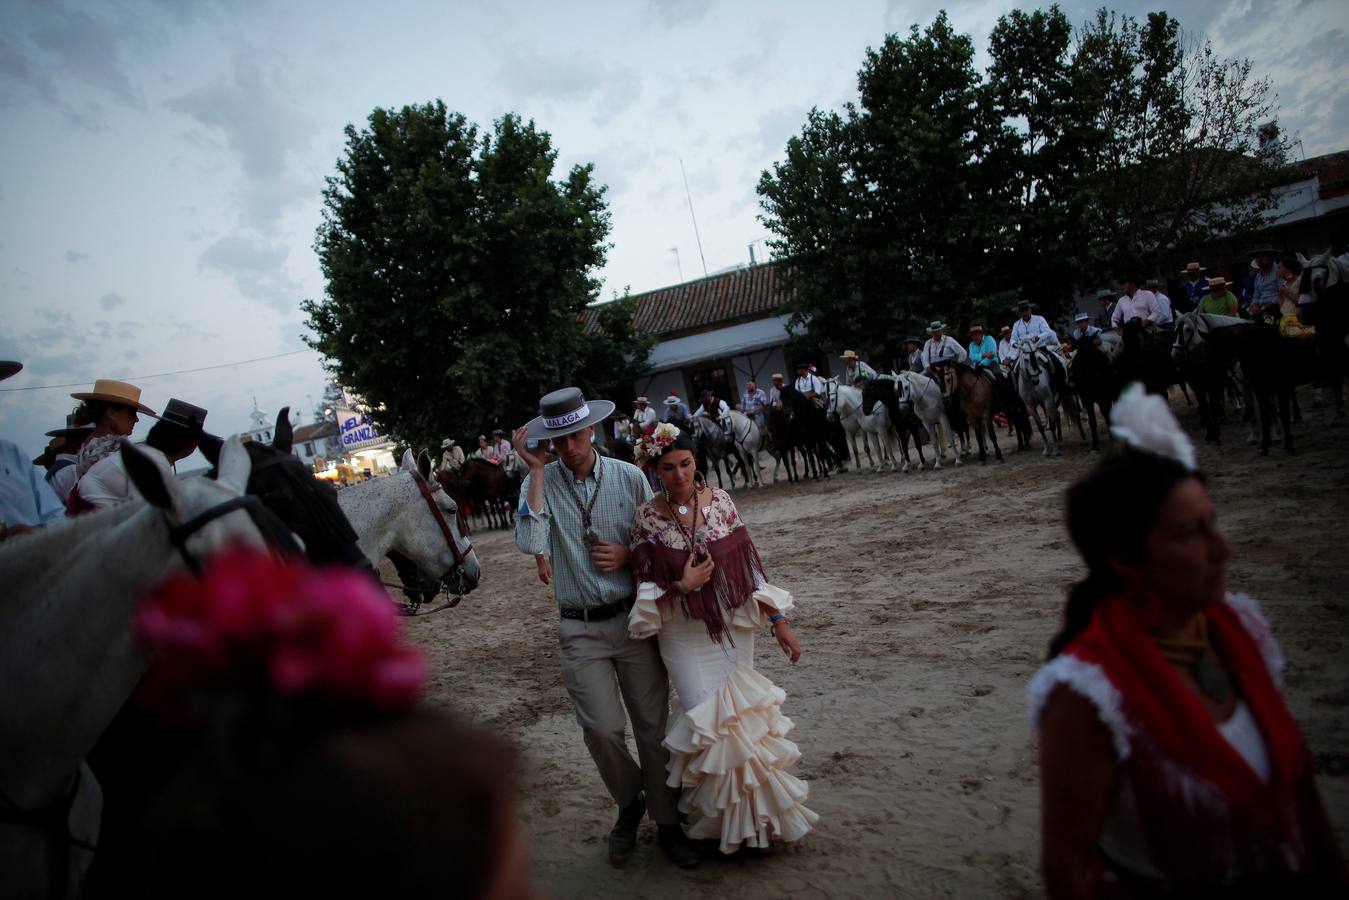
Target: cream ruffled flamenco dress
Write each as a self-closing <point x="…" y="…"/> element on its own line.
<point x="729" y="753"/>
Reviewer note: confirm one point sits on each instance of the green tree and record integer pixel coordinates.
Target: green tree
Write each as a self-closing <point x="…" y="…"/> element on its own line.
<point x="872" y="208"/>
<point x="457" y="270"/>
<point x="1172" y="150"/>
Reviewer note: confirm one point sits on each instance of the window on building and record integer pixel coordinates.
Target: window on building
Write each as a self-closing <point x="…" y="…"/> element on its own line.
<point x="267" y="436"/>
<point x="308" y="449"/>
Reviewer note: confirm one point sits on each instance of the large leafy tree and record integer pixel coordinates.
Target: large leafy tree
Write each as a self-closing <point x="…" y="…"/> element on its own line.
<point x="458" y="269"/>
<point x="1172" y="150"/>
<point x="1075" y="157"/>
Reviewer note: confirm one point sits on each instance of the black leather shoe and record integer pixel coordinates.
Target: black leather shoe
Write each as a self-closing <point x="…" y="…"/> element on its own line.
<point x="677" y="846"/>
<point x="623" y="839"/>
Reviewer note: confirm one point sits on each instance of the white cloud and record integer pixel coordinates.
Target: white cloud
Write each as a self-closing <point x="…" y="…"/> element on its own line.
<point x="111" y="300"/>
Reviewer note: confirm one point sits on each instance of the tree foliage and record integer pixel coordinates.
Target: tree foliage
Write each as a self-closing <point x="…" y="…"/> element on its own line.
<point x="1077" y="155"/>
<point x="457" y="271"/>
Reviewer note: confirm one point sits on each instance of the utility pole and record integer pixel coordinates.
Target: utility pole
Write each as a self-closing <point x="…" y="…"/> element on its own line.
<point x="675" y="251"/>
<point x="696" y="236"/>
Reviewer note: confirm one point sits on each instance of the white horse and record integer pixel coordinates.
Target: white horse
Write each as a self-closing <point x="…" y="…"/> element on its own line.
<point x="393" y="514"/>
<point x="747" y="439"/>
<point x="69" y="658"/>
<point x="930" y="407"/>
<point x="846" y="401"/>
<point x="1035" y="384"/>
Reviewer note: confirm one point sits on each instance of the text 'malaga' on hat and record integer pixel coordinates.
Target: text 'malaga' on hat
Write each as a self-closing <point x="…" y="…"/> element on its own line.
<point x="564" y="412"/>
<point x="106" y="390"/>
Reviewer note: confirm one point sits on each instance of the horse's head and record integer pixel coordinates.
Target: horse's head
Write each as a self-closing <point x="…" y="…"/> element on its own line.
<point x="206" y="515"/>
<point x="307" y="505"/>
<point x="428" y="529"/>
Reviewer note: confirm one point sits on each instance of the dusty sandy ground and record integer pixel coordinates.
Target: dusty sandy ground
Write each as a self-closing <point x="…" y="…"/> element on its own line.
<point x="925" y="604"/>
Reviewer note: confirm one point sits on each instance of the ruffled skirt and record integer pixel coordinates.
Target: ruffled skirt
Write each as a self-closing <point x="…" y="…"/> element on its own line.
<point x="729" y="754"/>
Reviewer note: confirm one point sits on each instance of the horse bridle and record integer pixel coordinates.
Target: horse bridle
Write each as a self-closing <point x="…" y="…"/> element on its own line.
<point x="428" y="494"/>
<point x="279" y="537"/>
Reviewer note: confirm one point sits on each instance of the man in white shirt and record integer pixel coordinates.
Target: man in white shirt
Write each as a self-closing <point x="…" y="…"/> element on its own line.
<point x="941" y="348"/>
<point x="809" y="385"/>
<point x="1033" y="329"/>
<point x="1006" y="352"/>
<point x="1165" y="319"/>
<point x="856" y="369"/>
<point x="1135" y="304"/>
<point x="643" y="416"/>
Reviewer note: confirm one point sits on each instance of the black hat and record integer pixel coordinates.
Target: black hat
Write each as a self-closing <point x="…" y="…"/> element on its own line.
<point x="566" y="411"/>
<point x="71" y="429"/>
<point x="1024" y="304"/>
<point x="184" y="414"/>
<point x="1263" y="251"/>
<point x="913" y="339"/>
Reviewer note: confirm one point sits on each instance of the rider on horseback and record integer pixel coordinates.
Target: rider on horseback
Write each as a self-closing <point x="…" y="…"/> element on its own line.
<point x="857" y="371"/>
<point x="940" y="353"/>
<point x="1034" y="330"/>
<point x="808" y="384"/>
<point x="712" y="408"/>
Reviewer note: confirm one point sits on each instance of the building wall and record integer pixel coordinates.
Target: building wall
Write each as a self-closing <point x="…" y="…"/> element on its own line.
<point x="737" y="368"/>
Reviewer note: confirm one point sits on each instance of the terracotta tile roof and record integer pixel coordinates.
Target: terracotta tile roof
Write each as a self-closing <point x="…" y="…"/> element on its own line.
<point x="1332" y="170"/>
<point x="739" y="296"/>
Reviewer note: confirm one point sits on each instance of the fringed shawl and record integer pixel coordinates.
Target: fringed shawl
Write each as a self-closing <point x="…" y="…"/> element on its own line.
<point x="738" y="572"/>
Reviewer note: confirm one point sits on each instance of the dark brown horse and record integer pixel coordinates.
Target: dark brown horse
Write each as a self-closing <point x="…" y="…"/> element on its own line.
<point x="491" y="490"/>
<point x="1093" y="378"/>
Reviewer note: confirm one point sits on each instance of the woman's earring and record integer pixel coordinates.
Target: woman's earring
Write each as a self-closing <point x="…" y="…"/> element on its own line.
<point x="699" y="482"/>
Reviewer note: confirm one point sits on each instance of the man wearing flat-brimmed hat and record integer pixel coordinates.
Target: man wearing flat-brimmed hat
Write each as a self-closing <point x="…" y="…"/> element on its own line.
<point x="1033" y="329"/>
<point x="856" y="369"/>
<point x="578" y="510"/>
<point x="941" y="347"/>
<point x="26" y="500"/>
<point x="452" y="455"/>
<point x="1193" y="286"/>
<point x="677" y="412"/>
<point x="1135" y="303"/>
<point x="173" y="438"/>
<point x="1262" y="291"/>
<point x="913" y="350"/>
<point x="61" y="474"/>
<point x="1220" y="301"/>
<point x="643" y="416"/>
<point x="1105" y="299"/>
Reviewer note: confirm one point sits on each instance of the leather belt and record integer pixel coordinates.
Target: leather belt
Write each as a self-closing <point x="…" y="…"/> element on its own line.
<point x="597" y="613"/>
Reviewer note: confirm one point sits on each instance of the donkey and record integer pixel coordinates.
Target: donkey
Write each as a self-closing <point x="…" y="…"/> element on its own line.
<point x="69" y="658"/>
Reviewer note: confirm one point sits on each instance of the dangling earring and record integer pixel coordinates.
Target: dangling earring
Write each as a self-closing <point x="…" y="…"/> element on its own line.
<point x="699" y="482"/>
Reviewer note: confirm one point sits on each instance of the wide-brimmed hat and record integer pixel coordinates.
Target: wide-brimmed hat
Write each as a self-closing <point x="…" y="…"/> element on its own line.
<point x="1105" y="294"/>
<point x="776" y="376"/>
<point x="913" y="339"/>
<point x="801" y="364"/>
<point x="935" y="325"/>
<point x="976" y="327"/>
<point x="672" y="400"/>
<point x="848" y="354"/>
<point x="117" y="392"/>
<point x="1006" y="329"/>
<point x="1081" y="317"/>
<point x="640" y="400"/>
<point x="565" y="412"/>
<point x="70" y="430"/>
<point x="1263" y="251"/>
<point x="1191" y="268"/>
<point x="448" y="442"/>
<point x="1153" y="284"/>
<point x="9" y="368"/>
<point x="1025" y="304"/>
<point x="1217" y="281"/>
<point x="180" y="412"/>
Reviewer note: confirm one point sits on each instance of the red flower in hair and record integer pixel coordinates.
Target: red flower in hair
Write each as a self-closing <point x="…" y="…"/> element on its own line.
<point x="253" y="621"/>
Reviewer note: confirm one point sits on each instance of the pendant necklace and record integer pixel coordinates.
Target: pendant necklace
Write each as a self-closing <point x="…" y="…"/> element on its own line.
<point x="590" y="535"/>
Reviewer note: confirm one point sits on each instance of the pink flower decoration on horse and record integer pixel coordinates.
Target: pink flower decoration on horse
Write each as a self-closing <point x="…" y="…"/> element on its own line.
<point x="252" y="621"/>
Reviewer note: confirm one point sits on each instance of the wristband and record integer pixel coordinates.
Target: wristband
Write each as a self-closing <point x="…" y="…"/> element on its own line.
<point x="776" y="618"/>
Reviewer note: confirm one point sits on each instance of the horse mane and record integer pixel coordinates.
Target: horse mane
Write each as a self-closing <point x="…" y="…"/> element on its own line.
<point x="27" y="553"/>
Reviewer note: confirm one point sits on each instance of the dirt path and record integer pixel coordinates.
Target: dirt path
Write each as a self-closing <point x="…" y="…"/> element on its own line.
<point x="925" y="604"/>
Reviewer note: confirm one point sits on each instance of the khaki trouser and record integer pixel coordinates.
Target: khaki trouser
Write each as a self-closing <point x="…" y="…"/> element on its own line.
<point x="604" y="671"/>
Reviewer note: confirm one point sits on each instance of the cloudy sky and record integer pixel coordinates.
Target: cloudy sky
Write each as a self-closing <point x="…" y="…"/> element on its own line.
<point x="162" y="161"/>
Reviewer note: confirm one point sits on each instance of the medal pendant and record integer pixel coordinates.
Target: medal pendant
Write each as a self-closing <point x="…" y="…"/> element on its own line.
<point x="591" y="537"/>
<point x="683" y="510"/>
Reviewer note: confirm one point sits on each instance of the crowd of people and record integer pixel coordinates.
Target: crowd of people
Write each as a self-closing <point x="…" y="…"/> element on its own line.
<point x="81" y="470"/>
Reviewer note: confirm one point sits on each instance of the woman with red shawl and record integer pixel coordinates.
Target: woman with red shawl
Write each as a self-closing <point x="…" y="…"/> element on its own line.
<point x="1169" y="763"/>
<point x="701" y="588"/>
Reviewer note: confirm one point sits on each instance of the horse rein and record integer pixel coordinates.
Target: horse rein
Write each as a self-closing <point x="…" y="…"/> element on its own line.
<point x="428" y="494"/>
<point x="282" y="539"/>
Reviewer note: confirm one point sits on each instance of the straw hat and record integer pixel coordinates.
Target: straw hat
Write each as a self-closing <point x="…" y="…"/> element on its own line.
<point x="447" y="443"/>
<point x="1006" y="329"/>
<point x="1217" y="281"/>
<point x="776" y="376"/>
<point x="1192" y="269"/>
<point x="848" y="354"/>
<point x="119" y="392"/>
<point x="640" y="401"/>
<point x="976" y="327"/>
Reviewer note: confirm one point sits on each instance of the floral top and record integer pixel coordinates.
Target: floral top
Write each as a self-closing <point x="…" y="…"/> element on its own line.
<point x="716" y="519"/>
